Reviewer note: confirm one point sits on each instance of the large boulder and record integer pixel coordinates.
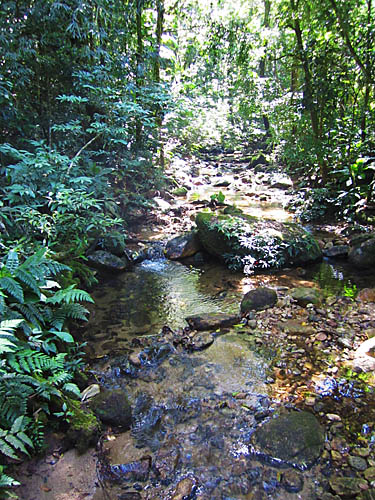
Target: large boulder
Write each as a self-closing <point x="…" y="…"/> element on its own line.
<point x="362" y="255"/>
<point x="183" y="246"/>
<point x="296" y="438"/>
<point x="107" y="262"/>
<point x="258" y="299"/>
<point x="244" y="240"/>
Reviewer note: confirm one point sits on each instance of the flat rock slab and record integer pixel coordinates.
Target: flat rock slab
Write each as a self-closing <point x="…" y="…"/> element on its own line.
<point x="296" y="438"/>
<point x="212" y="321"/>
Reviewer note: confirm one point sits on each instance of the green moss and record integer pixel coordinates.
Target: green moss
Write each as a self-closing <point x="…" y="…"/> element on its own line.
<point x="246" y="241"/>
<point x="84" y="426"/>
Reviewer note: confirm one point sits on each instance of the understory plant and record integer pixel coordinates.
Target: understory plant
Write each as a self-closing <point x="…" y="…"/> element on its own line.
<point x="38" y="356"/>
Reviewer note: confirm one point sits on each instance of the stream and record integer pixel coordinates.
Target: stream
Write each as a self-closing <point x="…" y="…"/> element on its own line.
<point x="198" y="410"/>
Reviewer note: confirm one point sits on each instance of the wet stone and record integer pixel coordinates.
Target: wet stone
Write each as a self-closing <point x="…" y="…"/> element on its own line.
<point x="292" y="481"/>
<point x="357" y="463"/>
<point x="185" y="488"/>
<point x="108" y="262"/>
<point x="133" y="471"/>
<point x="370" y="473"/>
<point x="201" y="341"/>
<point x="347" y="486"/>
<point x="212" y="321"/>
<point x="304" y="296"/>
<point x="296" y="438"/>
<point x="113" y="408"/>
<point x="258" y="300"/>
<point x="336" y="251"/>
<point x="130" y="495"/>
<point x="183" y="246"/>
<point x="166" y="461"/>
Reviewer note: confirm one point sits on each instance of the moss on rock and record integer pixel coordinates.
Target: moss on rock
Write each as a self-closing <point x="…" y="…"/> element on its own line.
<point x="242" y="240"/>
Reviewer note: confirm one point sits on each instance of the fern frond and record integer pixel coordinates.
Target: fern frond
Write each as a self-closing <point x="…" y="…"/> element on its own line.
<point x="53" y="267"/>
<point x="28" y="313"/>
<point x="16" y="443"/>
<point x="28" y="279"/>
<point x="70" y="295"/>
<point x="12" y="261"/>
<point x="8" y="341"/>
<point x="74" y="311"/>
<point x="10" y="286"/>
<point x="7" y="481"/>
<point x="2" y="303"/>
<point x="7" y="450"/>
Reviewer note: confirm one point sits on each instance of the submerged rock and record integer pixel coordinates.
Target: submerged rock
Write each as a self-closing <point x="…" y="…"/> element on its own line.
<point x="183" y="246"/>
<point x="201" y="341"/>
<point x="133" y="471"/>
<point x="258" y="299"/>
<point x="113" y="408"/>
<point x="296" y="438"/>
<point x="347" y="486"/>
<point x="212" y="321"/>
<point x="256" y="242"/>
<point x="105" y="261"/>
<point x="185" y="488"/>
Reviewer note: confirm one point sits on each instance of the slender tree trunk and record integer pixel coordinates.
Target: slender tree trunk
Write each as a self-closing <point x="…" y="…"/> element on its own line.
<point x="262" y="62"/>
<point x="309" y="97"/>
<point x="157" y="79"/>
<point x="139" y="77"/>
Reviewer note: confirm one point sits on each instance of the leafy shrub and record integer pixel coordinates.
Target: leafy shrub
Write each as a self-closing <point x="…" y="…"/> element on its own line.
<point x="38" y="354"/>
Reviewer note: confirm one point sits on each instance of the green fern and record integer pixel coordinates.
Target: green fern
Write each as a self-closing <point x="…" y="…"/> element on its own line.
<point x="8" y="341"/>
<point x="11" y="287"/>
<point x="69" y="295"/>
<point x="7" y="481"/>
<point x="15" y="440"/>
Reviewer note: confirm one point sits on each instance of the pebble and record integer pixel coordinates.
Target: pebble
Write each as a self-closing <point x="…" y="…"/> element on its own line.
<point x="370" y="473"/>
<point x="357" y="463"/>
<point x="134" y="359"/>
<point x="185" y="488"/>
<point x="333" y="417"/>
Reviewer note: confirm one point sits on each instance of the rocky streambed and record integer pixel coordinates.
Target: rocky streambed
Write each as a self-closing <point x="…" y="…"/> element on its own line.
<point x="204" y="395"/>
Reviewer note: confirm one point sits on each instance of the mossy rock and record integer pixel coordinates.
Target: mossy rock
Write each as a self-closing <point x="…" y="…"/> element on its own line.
<point x="259" y="299"/>
<point x="84" y="427"/>
<point x="306" y="295"/>
<point x="113" y="408"/>
<point x="295" y="438"/>
<point x="180" y="191"/>
<point x="264" y="243"/>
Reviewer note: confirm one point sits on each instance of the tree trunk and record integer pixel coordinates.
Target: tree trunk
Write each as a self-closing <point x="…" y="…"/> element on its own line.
<point x="139" y="76"/>
<point x="262" y="62"/>
<point x="158" y="35"/>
